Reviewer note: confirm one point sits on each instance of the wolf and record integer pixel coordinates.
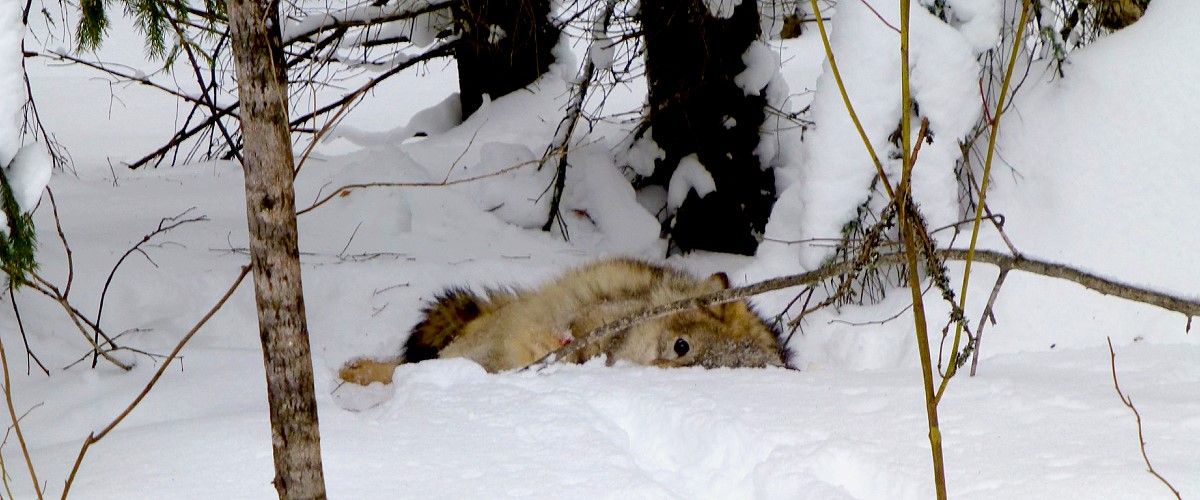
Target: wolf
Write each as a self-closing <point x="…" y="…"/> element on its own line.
<point x="510" y="329"/>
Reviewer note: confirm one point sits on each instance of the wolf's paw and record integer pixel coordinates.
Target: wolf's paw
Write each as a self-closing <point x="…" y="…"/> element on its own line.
<point x="366" y="371"/>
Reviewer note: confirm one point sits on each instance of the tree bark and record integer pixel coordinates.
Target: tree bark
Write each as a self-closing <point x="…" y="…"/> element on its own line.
<point x="503" y="46"/>
<point x="274" y="253"/>
<point x="696" y="108"/>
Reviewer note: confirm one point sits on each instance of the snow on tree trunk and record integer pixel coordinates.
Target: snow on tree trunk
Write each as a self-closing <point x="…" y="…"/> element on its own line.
<point x="503" y="46"/>
<point x="694" y="51"/>
<point x="274" y="253"/>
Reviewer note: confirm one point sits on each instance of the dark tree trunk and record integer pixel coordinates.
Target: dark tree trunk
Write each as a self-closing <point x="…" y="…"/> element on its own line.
<point x="696" y="108"/>
<point x="493" y="62"/>
<point x="274" y="254"/>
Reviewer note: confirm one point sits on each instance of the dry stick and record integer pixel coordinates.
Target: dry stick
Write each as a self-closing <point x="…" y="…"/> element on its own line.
<point x="987" y="313"/>
<point x="12" y="413"/>
<point x="952" y="368"/>
<point x="1128" y="402"/>
<point x="176" y="221"/>
<point x="12" y="296"/>
<point x="95" y="437"/>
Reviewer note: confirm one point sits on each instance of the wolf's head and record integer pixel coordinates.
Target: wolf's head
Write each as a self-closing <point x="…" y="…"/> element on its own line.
<point x="722" y="335"/>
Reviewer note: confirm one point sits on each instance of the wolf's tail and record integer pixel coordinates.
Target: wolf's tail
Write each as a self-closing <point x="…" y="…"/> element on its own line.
<point x="444" y="321"/>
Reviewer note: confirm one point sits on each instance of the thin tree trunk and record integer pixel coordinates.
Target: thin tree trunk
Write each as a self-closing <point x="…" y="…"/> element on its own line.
<point x="274" y="253"/>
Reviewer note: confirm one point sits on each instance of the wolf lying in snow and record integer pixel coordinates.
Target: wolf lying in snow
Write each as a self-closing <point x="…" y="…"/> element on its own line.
<point x="505" y="330"/>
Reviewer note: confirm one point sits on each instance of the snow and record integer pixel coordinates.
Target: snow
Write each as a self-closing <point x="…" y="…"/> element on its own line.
<point x="722" y="9"/>
<point x="761" y="65"/>
<point x="690" y="175"/>
<point x="12" y="83"/>
<point x="28" y="174"/>
<point x="601" y="52"/>
<point x="1095" y="169"/>
<point x="641" y="153"/>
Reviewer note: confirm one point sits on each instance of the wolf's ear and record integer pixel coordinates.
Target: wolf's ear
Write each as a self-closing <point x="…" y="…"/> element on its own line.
<point x="730" y="310"/>
<point x="716" y="282"/>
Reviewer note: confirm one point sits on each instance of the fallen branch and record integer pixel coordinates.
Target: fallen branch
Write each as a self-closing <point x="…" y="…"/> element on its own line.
<point x="1128" y="402"/>
<point x="96" y="437"/>
<point x="1188" y="307"/>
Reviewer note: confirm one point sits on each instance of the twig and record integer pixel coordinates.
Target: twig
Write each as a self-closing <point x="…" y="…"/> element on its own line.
<point x="987" y="313"/>
<point x="1128" y="402"/>
<point x="176" y="221"/>
<point x="12" y="296"/>
<point x="209" y="101"/>
<point x="443" y="50"/>
<point x="40" y="284"/>
<point x="12" y="413"/>
<point x="66" y="247"/>
<point x="96" y="437"/>
<point x="124" y="76"/>
<point x="184" y="135"/>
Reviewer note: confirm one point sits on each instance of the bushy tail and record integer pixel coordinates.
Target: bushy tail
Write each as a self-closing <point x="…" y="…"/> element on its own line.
<point x="444" y="321"/>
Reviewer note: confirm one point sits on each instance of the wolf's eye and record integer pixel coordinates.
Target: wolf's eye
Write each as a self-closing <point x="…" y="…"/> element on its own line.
<point x="681" y="347"/>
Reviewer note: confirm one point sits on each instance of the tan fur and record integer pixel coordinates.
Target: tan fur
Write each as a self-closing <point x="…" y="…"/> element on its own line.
<point x="510" y="330"/>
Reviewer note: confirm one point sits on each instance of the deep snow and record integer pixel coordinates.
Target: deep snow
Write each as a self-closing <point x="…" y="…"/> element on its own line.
<point x="1096" y="169"/>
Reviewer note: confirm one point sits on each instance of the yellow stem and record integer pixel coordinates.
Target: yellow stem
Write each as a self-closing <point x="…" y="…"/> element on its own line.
<point x="987" y="169"/>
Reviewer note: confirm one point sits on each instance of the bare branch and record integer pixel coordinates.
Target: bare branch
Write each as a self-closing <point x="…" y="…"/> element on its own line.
<point x="96" y="437"/>
<point x="987" y="314"/>
<point x="163" y="227"/>
<point x="12" y="413"/>
<point x="12" y="297"/>
<point x="46" y="288"/>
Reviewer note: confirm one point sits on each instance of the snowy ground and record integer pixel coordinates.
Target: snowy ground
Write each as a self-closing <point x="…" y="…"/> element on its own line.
<point x="1099" y="170"/>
